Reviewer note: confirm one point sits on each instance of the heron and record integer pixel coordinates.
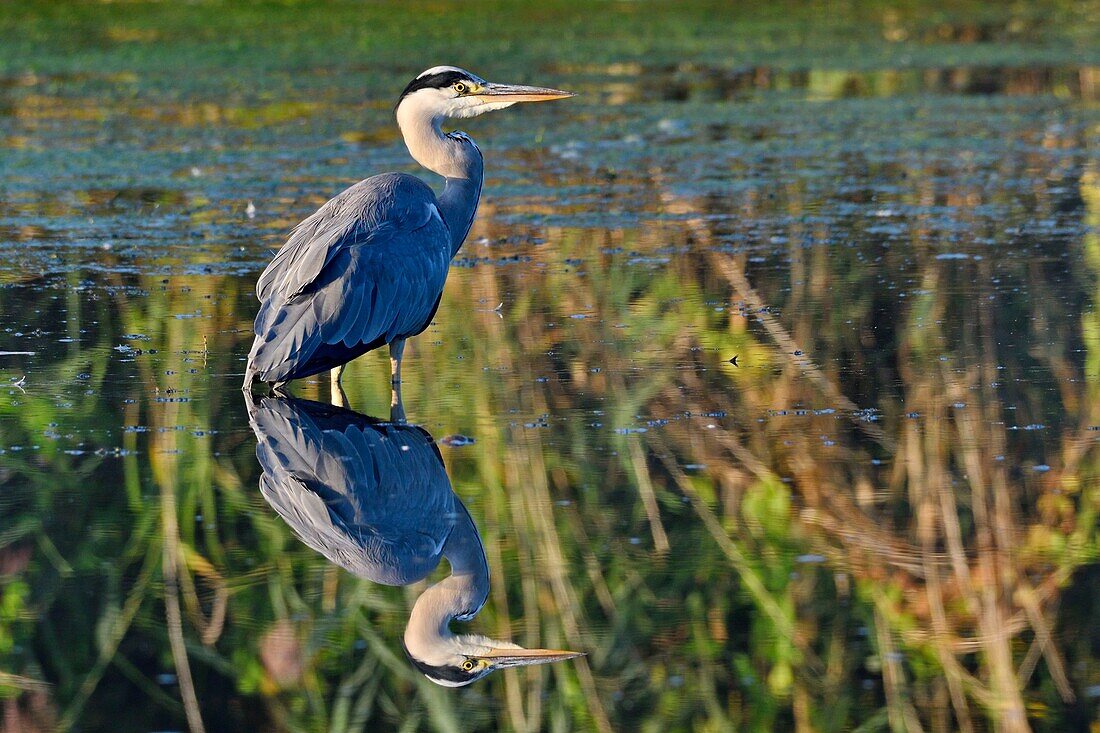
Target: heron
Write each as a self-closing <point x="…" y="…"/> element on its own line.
<point x="374" y="497"/>
<point x="368" y="267"/>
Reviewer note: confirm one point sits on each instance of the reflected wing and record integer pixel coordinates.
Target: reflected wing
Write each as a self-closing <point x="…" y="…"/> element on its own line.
<point x="371" y="497"/>
<point x="366" y="269"/>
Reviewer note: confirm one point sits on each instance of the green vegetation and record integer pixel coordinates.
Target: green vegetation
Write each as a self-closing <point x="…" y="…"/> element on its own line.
<point x="884" y="519"/>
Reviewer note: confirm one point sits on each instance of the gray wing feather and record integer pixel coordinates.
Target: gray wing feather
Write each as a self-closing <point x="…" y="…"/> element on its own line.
<point x="367" y="268"/>
<point x="351" y="313"/>
<point x="377" y="206"/>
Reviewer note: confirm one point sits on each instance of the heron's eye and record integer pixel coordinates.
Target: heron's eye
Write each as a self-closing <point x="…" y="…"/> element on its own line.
<point x="469" y="664"/>
<point x="460" y="87"/>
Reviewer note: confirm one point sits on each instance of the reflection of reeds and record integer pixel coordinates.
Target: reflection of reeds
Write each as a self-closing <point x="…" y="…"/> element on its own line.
<point x="954" y="560"/>
<point x="170" y="571"/>
<point x="967" y="583"/>
<point x="526" y="480"/>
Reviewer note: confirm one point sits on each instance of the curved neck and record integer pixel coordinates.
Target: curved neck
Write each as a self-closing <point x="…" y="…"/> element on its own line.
<point x="458" y="204"/>
<point x="458" y="596"/>
<point x="454" y="156"/>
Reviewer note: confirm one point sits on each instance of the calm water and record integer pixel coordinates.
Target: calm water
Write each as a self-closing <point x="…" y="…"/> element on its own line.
<point x="884" y="517"/>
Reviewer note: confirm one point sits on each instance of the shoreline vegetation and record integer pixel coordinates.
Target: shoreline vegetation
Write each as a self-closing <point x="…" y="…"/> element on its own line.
<point x="884" y="518"/>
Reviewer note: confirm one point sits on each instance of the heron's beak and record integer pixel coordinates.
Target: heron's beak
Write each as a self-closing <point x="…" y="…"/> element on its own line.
<point x="511" y="93"/>
<point x="501" y="658"/>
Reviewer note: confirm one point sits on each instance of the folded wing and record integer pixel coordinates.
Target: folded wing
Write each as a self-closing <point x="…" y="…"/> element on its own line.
<point x="366" y="269"/>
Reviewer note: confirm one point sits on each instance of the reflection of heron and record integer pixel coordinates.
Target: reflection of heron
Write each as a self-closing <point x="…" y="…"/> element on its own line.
<point x="374" y="498"/>
<point x="368" y="267"/>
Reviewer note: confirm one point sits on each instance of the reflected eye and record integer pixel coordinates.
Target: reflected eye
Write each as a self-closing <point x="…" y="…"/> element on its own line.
<point x="469" y="664"/>
<point x="461" y="88"/>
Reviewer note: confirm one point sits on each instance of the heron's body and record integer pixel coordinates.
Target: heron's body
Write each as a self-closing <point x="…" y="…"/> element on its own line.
<point x="368" y="268"/>
<point x="374" y="497"/>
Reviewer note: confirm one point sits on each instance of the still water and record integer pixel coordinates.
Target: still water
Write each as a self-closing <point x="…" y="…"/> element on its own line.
<point x="882" y="517"/>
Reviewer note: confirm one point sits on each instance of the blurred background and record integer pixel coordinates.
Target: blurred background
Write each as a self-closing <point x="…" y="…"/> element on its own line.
<point x="884" y="517"/>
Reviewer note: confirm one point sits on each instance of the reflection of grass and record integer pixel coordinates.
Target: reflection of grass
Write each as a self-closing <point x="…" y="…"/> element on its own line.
<point x="725" y="628"/>
<point x="828" y="569"/>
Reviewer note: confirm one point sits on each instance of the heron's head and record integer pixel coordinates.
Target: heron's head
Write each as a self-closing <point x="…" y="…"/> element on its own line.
<point x="459" y="660"/>
<point x="448" y="91"/>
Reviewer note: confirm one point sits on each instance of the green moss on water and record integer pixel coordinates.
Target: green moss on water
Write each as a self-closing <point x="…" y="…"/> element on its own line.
<point x="205" y="48"/>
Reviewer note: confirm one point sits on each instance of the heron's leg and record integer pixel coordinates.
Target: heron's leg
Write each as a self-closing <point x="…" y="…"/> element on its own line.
<point x="336" y="392"/>
<point x="397" y="348"/>
<point x="397" y="409"/>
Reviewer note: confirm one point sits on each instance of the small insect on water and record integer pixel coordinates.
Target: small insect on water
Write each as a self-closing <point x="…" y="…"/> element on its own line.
<point x="734" y="360"/>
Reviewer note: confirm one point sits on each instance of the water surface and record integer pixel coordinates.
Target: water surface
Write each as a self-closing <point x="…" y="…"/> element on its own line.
<point x="884" y="516"/>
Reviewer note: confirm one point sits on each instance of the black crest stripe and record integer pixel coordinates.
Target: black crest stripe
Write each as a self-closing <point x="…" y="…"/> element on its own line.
<point x="434" y="81"/>
<point x="445" y="672"/>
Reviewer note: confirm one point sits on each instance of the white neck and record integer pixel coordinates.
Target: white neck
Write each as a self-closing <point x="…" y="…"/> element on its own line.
<point x="455" y="157"/>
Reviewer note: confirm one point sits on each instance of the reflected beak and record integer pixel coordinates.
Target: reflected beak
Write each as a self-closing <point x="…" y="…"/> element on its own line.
<point x="501" y="658"/>
<point x="511" y="93"/>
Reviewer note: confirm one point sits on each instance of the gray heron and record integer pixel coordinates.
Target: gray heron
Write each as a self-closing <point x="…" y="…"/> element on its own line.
<point x="368" y="267"/>
<point x="375" y="498"/>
